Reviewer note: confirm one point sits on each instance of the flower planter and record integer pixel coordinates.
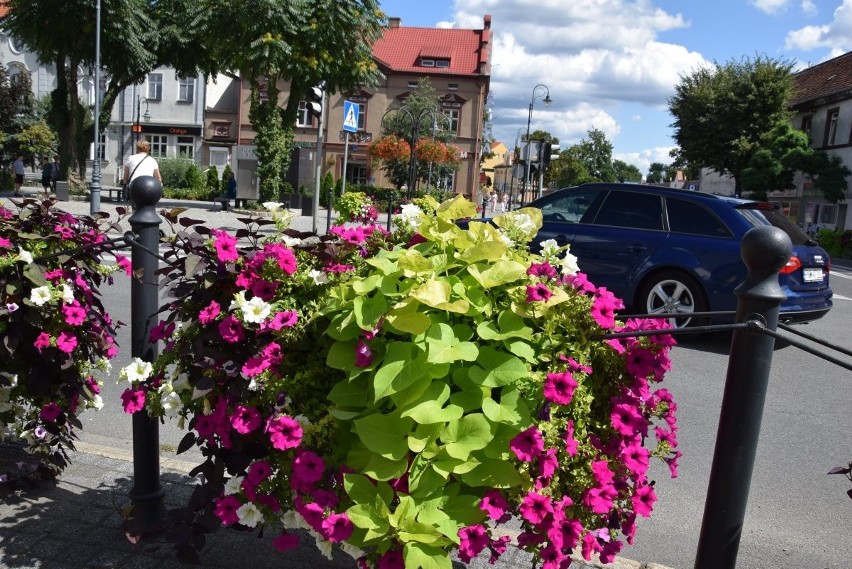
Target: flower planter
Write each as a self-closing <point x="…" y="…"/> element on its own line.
<point x="308" y="204"/>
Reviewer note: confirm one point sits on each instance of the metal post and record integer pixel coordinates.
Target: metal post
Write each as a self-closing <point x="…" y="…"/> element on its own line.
<point x="390" y="209"/>
<point x="318" y="165"/>
<point x="328" y="213"/>
<point x="149" y="514"/>
<point x="765" y="250"/>
<point x="412" y="161"/>
<point x="345" y="162"/>
<point x="95" y="189"/>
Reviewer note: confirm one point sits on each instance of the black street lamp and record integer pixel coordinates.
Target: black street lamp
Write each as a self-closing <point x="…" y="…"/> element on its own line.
<point x="538" y="91"/>
<point x="137" y="128"/>
<point x="95" y="189"/>
<point x="416" y="118"/>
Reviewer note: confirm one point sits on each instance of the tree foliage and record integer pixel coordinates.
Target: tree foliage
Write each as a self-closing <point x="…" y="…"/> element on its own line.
<point x="625" y="172"/>
<point x="656" y="173"/>
<point x="724" y="113"/>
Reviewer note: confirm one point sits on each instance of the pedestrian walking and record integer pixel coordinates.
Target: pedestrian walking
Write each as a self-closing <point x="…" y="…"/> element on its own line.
<point x="54" y="173"/>
<point x="493" y="201"/>
<point x="18" y="168"/>
<point x="504" y="203"/>
<point x="46" y="175"/>
<point x="140" y="164"/>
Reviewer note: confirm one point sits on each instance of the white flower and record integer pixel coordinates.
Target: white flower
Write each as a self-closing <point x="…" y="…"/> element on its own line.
<point x="319" y="277"/>
<point x="272" y="206"/>
<point x="249" y="515"/>
<point x="507" y="240"/>
<point x="232" y="486"/>
<point x="137" y="372"/>
<point x="256" y="310"/>
<point x="549" y="247"/>
<point x="239" y="300"/>
<point x="198" y="393"/>
<point x="290" y="241"/>
<point x="181" y="382"/>
<point x="569" y="264"/>
<point x="412" y="214"/>
<point x="171" y="404"/>
<point x="323" y="545"/>
<point x="25" y="256"/>
<point x="67" y="294"/>
<point x="40" y="295"/>
<point x="13" y="377"/>
<point x="351" y="550"/>
<point x="524" y="223"/>
<point x="97" y="402"/>
<point x="292" y="519"/>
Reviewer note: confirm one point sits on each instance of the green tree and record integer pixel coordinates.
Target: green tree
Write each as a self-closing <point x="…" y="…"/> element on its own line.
<point x="572" y="170"/>
<point x="656" y="173"/>
<point x="625" y="172"/>
<point x="37" y="140"/>
<point x="212" y="182"/>
<point x="723" y="114"/>
<point x="691" y="170"/>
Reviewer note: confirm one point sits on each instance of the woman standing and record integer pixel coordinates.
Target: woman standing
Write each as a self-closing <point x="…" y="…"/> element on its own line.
<point x="46" y="175"/>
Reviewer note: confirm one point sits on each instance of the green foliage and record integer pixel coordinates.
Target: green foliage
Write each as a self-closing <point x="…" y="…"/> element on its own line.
<point x="223" y="186"/>
<point x="326" y="187"/>
<point x="273" y="140"/>
<point x="37" y="140"/>
<point x="832" y="241"/>
<point x="174" y="172"/>
<point x="656" y="173"/>
<point x="724" y="114"/>
<point x="625" y="172"/>
<point x="212" y="182"/>
<point x="192" y="178"/>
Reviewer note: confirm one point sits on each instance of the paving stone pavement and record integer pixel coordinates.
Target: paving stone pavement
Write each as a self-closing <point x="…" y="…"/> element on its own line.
<point x="77" y="523"/>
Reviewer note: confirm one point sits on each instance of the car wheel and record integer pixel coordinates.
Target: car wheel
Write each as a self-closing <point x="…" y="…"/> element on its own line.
<point x="673" y="292"/>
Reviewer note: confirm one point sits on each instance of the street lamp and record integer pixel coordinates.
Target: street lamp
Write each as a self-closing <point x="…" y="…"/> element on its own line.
<point x="95" y="189"/>
<point x="538" y="91"/>
<point x="137" y="128"/>
<point x="415" y="117"/>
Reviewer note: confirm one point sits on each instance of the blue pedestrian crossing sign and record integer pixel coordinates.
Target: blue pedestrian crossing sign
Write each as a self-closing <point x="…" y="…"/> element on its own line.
<point x="350" y="116"/>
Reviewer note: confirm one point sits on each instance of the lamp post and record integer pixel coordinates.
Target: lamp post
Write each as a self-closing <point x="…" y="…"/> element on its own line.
<point x="137" y="128"/>
<point x="415" y="117"/>
<point x="538" y="91"/>
<point x="95" y="198"/>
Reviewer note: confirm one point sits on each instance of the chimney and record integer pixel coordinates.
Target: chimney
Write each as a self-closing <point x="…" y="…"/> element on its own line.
<point x="394" y="22"/>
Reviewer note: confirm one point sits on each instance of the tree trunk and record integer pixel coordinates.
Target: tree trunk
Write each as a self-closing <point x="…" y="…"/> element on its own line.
<point x="59" y="99"/>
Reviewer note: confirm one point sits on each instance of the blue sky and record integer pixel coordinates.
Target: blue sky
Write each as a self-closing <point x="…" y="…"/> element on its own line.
<point x="613" y="64"/>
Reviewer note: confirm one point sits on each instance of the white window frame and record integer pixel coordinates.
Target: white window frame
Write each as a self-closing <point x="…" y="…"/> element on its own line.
<point x="219" y="156"/>
<point x="186" y="147"/>
<point x="454" y="115"/>
<point x="303" y="116"/>
<point x="362" y="116"/>
<point x="102" y="149"/>
<point x="186" y="89"/>
<point x="155" y="87"/>
<point x="159" y="145"/>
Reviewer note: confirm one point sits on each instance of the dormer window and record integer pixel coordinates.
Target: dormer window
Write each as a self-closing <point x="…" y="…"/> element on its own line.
<point x="427" y="63"/>
<point x="432" y="62"/>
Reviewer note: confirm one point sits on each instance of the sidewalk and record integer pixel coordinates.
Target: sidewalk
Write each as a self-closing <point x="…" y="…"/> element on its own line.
<point x="77" y="523"/>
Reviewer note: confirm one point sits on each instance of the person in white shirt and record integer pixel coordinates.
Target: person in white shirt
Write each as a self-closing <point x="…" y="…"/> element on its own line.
<point x="141" y="164"/>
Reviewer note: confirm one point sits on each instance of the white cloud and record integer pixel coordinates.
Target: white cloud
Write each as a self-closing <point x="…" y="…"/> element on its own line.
<point x="771" y="6"/>
<point x="836" y="35"/>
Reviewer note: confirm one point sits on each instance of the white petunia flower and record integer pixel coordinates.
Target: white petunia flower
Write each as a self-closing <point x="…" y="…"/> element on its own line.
<point x="351" y="550"/>
<point x="137" y="372"/>
<point x="272" y="206"/>
<point x="67" y="294"/>
<point x="319" y="277"/>
<point x="181" y="382"/>
<point x="40" y="295"/>
<point x="292" y="519"/>
<point x="97" y="402"/>
<point x="507" y="240"/>
<point x="569" y="264"/>
<point x="171" y="404"/>
<point x="412" y="214"/>
<point x="256" y="310"/>
<point x="25" y="256"/>
<point x="549" y="247"/>
<point x="249" y="515"/>
<point x="239" y="300"/>
<point x="302" y="420"/>
<point x="323" y="544"/>
<point x="524" y="223"/>
<point x="233" y="485"/>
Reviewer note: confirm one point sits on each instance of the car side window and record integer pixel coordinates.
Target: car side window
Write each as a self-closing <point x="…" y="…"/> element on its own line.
<point x="631" y="209"/>
<point x="694" y="219"/>
<point x="569" y="207"/>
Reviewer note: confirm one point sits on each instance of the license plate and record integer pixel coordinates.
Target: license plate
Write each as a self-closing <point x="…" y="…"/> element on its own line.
<point x="812" y="275"/>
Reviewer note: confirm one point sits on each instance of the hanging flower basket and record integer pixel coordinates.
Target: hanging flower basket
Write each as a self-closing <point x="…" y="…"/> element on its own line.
<point x="431" y="150"/>
<point x="390" y="147"/>
<point x="405" y="396"/>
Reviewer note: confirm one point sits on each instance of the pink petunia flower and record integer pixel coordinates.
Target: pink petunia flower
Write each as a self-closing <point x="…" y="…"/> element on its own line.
<point x="5" y="243"/>
<point x="473" y="539"/>
<point x="604" y="306"/>
<point x="544" y="269"/>
<point x="602" y="473"/>
<point x="627" y="420"/>
<point x="551" y="557"/>
<point x="161" y="331"/>
<point x="209" y="313"/>
<point x="66" y="342"/>
<point x="74" y="314"/>
<point x="264" y="289"/>
<point x="308" y="467"/>
<point x="559" y="387"/>
<point x="226" y="246"/>
<point x="363" y="354"/>
<point x="245" y="419"/>
<point x="284" y="432"/>
<point x="283" y="319"/>
<point x="226" y="510"/>
<point x="286" y="541"/>
<point x="600" y="500"/>
<point x="337" y="528"/>
<point x="133" y="400"/>
<point x="231" y="330"/>
<point x="538" y="293"/>
<point x="258" y="472"/>
<point x="571" y="443"/>
<point x="50" y="412"/>
<point x="42" y="342"/>
<point x="494" y="504"/>
<point x="640" y="361"/>
<point x="391" y="560"/>
<point x="643" y="500"/>
<point x="124" y="263"/>
<point x="527" y="444"/>
<point x="535" y="507"/>
<point x="636" y="458"/>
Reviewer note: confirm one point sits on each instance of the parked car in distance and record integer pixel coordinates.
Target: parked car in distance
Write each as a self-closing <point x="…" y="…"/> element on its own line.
<point x="666" y="250"/>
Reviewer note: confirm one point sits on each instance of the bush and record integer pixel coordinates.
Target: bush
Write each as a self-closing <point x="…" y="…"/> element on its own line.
<point x="212" y="182"/>
<point x="192" y="179"/>
<point x="174" y="171"/>
<point x="223" y="184"/>
<point x="326" y="186"/>
<point x="829" y="239"/>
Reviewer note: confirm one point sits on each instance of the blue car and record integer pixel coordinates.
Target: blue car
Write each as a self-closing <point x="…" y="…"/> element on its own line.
<point x="665" y="250"/>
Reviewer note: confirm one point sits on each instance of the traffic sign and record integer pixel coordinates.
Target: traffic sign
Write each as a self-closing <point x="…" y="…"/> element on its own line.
<point x="350" y="116"/>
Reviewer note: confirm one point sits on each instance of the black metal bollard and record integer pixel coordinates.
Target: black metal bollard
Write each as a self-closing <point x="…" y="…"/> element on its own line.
<point x="764" y="250"/>
<point x="328" y="215"/>
<point x="390" y="209"/>
<point x="149" y="513"/>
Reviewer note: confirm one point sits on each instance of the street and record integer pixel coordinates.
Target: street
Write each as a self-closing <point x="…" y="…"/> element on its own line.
<point x="798" y="517"/>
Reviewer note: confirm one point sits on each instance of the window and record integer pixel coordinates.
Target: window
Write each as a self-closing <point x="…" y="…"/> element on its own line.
<point x="568" y="208"/>
<point x="806" y="125"/>
<point x="186" y="89"/>
<point x="362" y="116"/>
<point x="412" y="84"/>
<point x="222" y="129"/>
<point x="218" y="157"/>
<point x="630" y="209"/>
<point x="693" y="219"/>
<point x="102" y="147"/>
<point x="303" y="115"/>
<point x="442" y="63"/>
<point x="158" y="144"/>
<point x="155" y="87"/>
<point x="427" y="63"/>
<point x="357" y="174"/>
<point x="186" y="147"/>
<point x="453" y="115"/>
<point x="831" y="127"/>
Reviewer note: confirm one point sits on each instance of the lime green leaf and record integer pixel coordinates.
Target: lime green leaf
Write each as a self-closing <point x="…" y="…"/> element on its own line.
<point x="425" y="556"/>
<point x="454" y="465"/>
<point x="365" y="285"/>
<point x="404" y="509"/>
<point x="429" y="408"/>
<point x="376" y="466"/>
<point x="432" y="293"/>
<point x="511" y="409"/>
<point x="497" y="368"/>
<point x="413" y="263"/>
<point x="384" y="434"/>
<point x="463" y="508"/>
<point x="508" y="325"/>
<point x="486" y="251"/>
<point x="359" y="488"/>
<point x="350" y="393"/>
<point x="412" y="322"/>
<point x="341" y="355"/>
<point x="423" y="435"/>
<point x="499" y="273"/>
<point x="470" y="433"/>
<point x="444" y="347"/>
<point x="523" y="350"/>
<point x="401" y="367"/>
<point x="427" y="482"/>
<point x="368" y="310"/>
<point x="493" y="474"/>
<point x="383" y="264"/>
<point x="366" y="517"/>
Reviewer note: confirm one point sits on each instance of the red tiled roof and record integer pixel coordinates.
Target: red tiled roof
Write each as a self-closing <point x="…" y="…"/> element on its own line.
<point x="400" y="49"/>
<point x="823" y="80"/>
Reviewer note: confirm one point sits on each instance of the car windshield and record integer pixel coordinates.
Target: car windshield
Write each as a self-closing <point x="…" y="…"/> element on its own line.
<point x="759" y="214"/>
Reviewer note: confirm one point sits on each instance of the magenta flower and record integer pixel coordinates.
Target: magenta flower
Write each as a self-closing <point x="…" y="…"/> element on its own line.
<point x="571" y="443"/>
<point x="600" y="500"/>
<point x="42" y="342"/>
<point x="226" y="246"/>
<point x="308" y="467"/>
<point x="535" y="507"/>
<point x="50" y="412"/>
<point x="494" y="504"/>
<point x="74" y="314"/>
<point x="544" y="269"/>
<point x="123" y="262"/>
<point x="559" y="387"/>
<point x="264" y="289"/>
<point x="473" y="539"/>
<point x="258" y="472"/>
<point x="337" y="528"/>
<point x="284" y="319"/>
<point x="5" y="243"/>
<point x="640" y="362"/>
<point x="66" y="342"/>
<point x="643" y="500"/>
<point x="226" y="510"/>
<point x="604" y="307"/>
<point x="602" y="473"/>
<point x="313" y="514"/>
<point x="527" y="445"/>
<point x="286" y="541"/>
<point x="255" y="366"/>
<point x="231" y="330"/>
<point x="391" y="560"/>
<point x="665" y="436"/>
<point x="547" y="465"/>
<point x="283" y="256"/>
<point x="133" y="400"/>
<point x="538" y="292"/>
<point x="363" y="354"/>
<point x="162" y="331"/>
<point x="209" y="313"/>
<point x="636" y="458"/>
<point x="626" y="419"/>
<point x="551" y="557"/>
<point x="284" y="432"/>
<point x="245" y="419"/>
